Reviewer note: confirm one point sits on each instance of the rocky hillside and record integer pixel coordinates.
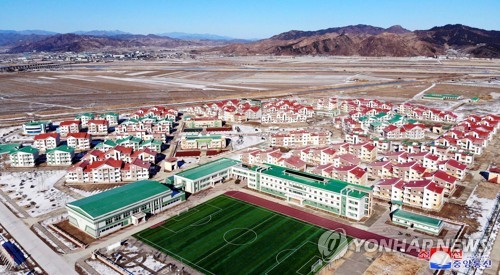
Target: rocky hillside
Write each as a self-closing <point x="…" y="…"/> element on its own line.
<point x="367" y="40"/>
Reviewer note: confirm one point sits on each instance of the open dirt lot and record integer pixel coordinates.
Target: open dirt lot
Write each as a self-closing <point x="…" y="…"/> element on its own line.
<point x="393" y="263"/>
<point x="136" y="83"/>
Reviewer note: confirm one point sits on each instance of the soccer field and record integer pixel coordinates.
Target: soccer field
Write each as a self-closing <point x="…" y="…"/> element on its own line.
<point x="228" y="236"/>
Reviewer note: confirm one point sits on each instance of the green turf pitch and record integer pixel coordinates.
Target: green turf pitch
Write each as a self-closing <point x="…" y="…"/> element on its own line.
<point x="228" y="236"/>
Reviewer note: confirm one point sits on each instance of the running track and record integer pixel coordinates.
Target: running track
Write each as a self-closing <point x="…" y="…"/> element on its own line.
<point x="322" y="222"/>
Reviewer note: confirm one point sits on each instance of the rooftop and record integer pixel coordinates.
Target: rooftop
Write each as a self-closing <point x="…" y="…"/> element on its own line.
<point x="203" y="137"/>
<point x="316" y="181"/>
<point x="417" y="218"/>
<point x="7" y="148"/>
<point x="207" y="168"/>
<point x="114" y="199"/>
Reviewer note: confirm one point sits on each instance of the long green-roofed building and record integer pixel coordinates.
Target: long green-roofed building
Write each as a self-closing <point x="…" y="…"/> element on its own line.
<point x="442" y="96"/>
<point x="111" y="210"/>
<point x="304" y="189"/>
<point x="417" y="221"/>
<point x="348" y="200"/>
<point x="205" y="176"/>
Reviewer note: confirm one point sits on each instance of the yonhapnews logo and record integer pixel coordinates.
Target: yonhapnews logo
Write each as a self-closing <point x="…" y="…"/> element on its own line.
<point x="332" y="243"/>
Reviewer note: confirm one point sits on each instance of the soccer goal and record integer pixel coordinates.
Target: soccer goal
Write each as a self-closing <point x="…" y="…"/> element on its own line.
<point x="316" y="266"/>
<point x="183" y="210"/>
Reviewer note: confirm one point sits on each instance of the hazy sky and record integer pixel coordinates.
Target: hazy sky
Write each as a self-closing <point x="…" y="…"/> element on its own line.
<point x="241" y="19"/>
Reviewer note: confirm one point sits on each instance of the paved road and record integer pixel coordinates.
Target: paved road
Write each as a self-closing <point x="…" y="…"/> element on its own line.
<point x="420" y="94"/>
<point x="51" y="262"/>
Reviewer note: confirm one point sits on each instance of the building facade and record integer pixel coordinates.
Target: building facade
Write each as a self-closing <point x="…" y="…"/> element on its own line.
<point x="111" y="210"/>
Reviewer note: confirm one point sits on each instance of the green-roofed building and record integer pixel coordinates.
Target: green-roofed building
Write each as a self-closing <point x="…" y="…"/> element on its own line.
<point x="199" y="178"/>
<point x="130" y="141"/>
<point x="376" y="126"/>
<point x="202" y="122"/>
<point x="111" y="210"/>
<point x="419" y="222"/>
<point x="105" y="145"/>
<point x="60" y="156"/>
<point x="24" y="157"/>
<point x="203" y="142"/>
<point x="347" y="200"/>
<point x="344" y="199"/>
<point x="84" y="118"/>
<point x="442" y="97"/>
<point x="9" y="147"/>
<point x="152" y="144"/>
<point x="112" y="118"/>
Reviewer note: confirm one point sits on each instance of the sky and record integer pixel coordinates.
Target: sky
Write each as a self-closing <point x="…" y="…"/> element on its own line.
<point x="241" y="19"/>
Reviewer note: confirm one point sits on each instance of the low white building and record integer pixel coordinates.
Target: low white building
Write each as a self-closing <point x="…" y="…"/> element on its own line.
<point x="60" y="156"/>
<point x="24" y="157"/>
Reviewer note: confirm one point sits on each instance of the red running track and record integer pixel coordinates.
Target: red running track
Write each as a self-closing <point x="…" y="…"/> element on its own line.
<point x="325" y="223"/>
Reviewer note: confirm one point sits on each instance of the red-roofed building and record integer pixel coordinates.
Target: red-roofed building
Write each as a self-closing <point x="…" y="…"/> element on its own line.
<point x="79" y="141"/>
<point x="392" y="132"/>
<point x="252" y="156"/>
<point x="494" y="174"/>
<point x="472" y="144"/>
<point x="94" y="155"/>
<point x="413" y="131"/>
<point x="396" y="157"/>
<point x="430" y="161"/>
<point x="357" y="175"/>
<point x="46" y="141"/>
<point x="69" y="126"/>
<point x="120" y="152"/>
<point x="365" y="151"/>
<point x="455" y="168"/>
<point x="300" y="138"/>
<point x="75" y="172"/>
<point x="98" y="127"/>
<point x="389" y="189"/>
<point x="137" y="170"/>
<point x="408" y="171"/>
<point x="146" y="155"/>
<point x="444" y="180"/>
<point x="98" y="171"/>
<point x="425" y="194"/>
<point x="293" y="162"/>
<point x="346" y="160"/>
<point x="380" y="169"/>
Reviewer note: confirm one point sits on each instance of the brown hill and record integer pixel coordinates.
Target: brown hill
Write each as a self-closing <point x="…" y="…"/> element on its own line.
<point x="367" y="40"/>
<point x="81" y="43"/>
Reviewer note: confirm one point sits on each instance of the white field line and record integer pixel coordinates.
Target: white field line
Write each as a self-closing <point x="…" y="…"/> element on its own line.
<point x="191" y="225"/>
<point x="179" y="257"/>
<point x="186" y="216"/>
<point x="285" y="216"/>
<point x="313" y="258"/>
<point x="287" y="256"/>
<point x="251" y="229"/>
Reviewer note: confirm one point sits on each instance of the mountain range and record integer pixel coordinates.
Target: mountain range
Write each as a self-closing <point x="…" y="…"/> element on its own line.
<point x="365" y="40"/>
<point x="360" y="40"/>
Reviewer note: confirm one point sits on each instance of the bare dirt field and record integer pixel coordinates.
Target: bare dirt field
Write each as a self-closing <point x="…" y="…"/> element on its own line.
<point x="393" y="263"/>
<point x="127" y="84"/>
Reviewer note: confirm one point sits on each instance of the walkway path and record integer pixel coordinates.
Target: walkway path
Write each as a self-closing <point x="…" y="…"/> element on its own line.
<point x="417" y="96"/>
<point x="51" y="262"/>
